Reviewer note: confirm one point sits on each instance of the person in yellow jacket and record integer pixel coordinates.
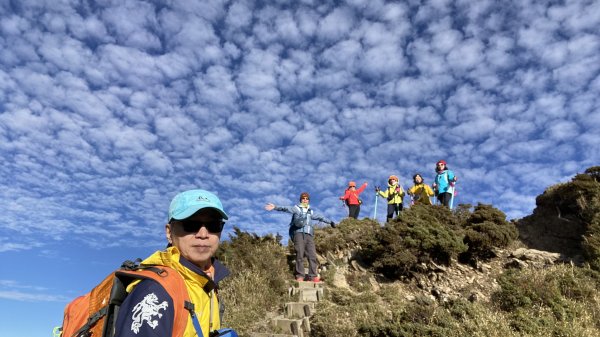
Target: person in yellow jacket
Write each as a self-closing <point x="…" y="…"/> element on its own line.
<point x="394" y="195"/>
<point x="195" y="222"/>
<point x="420" y="192"/>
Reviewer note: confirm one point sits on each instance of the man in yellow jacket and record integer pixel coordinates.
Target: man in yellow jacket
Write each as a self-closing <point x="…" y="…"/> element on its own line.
<point x="394" y="195"/>
<point x="420" y="192"/>
<point x="195" y="222"/>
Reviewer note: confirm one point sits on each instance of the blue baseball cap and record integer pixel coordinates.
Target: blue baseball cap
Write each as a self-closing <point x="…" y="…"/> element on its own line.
<point x="185" y="204"/>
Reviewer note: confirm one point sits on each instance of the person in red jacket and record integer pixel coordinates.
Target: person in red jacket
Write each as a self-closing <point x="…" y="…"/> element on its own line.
<point x="352" y="200"/>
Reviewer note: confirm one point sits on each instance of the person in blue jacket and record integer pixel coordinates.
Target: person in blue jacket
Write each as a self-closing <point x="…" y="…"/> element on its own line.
<point x="443" y="185"/>
<point x="301" y="231"/>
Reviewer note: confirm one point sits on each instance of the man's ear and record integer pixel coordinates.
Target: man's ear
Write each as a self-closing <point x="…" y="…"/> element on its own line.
<point x="168" y="233"/>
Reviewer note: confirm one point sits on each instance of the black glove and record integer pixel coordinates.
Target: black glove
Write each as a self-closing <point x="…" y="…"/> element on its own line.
<point x="332" y="224"/>
<point x="377" y="189"/>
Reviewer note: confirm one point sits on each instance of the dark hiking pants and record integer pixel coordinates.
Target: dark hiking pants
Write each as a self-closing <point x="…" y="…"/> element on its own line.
<point x="304" y="244"/>
<point x="353" y="211"/>
<point x="393" y="208"/>
<point x="444" y="198"/>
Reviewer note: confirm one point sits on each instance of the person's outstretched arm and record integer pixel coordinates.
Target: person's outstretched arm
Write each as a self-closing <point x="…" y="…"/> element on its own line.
<point x="361" y="188"/>
<point x="287" y="209"/>
<point x="323" y="219"/>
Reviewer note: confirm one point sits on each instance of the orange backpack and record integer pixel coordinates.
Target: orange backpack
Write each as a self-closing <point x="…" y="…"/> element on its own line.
<point x="94" y="314"/>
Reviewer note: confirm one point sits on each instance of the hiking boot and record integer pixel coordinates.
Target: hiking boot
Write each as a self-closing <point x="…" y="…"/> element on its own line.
<point x="316" y="279"/>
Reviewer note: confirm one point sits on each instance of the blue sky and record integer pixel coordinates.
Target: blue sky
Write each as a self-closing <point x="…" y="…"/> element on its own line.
<point x="109" y="108"/>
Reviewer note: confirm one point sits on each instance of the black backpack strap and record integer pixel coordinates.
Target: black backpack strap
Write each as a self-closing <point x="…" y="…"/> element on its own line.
<point x="84" y="331"/>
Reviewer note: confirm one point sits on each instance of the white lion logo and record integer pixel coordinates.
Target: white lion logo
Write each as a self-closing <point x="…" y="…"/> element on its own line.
<point x="145" y="311"/>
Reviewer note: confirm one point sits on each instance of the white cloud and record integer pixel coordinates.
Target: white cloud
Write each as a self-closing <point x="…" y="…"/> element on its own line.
<point x="107" y="111"/>
<point x="256" y="78"/>
<point x="217" y="89"/>
<point x="562" y="130"/>
<point x="336" y="24"/>
<point x="466" y="55"/>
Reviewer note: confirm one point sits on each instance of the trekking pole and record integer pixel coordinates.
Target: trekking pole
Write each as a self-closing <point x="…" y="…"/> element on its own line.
<point x="375" y="212"/>
<point x="453" y="192"/>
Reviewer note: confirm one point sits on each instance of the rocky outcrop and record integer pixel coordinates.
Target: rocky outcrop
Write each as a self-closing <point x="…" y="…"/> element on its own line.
<point x="563" y="215"/>
<point x="473" y="282"/>
<point x="547" y="229"/>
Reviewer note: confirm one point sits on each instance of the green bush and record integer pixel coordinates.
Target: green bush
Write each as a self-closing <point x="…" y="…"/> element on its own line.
<point x="591" y="243"/>
<point x="588" y="204"/>
<point x="359" y="281"/>
<point x="257" y="284"/>
<point x="485" y="230"/>
<point x="421" y="234"/>
<point x="349" y="233"/>
<point x="555" y="289"/>
<point x="594" y="173"/>
<point x="576" y="200"/>
<point x="582" y="198"/>
<point x="463" y="212"/>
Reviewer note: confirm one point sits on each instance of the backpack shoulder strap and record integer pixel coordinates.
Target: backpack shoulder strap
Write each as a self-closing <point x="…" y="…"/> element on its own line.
<point x="94" y="314"/>
<point x="172" y="282"/>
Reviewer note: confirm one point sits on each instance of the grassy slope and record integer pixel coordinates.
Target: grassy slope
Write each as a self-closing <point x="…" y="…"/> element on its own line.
<point x="385" y="299"/>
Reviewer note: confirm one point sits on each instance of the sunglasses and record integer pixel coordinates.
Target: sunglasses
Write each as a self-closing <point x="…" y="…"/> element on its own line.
<point x="193" y="226"/>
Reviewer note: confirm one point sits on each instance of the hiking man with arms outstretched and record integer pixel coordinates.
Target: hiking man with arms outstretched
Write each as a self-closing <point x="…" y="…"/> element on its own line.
<point x="301" y="232"/>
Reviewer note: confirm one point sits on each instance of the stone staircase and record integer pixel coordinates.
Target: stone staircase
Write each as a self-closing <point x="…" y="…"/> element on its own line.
<point x="295" y="321"/>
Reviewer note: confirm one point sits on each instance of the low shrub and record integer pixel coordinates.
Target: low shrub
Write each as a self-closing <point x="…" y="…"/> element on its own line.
<point x="485" y="230"/>
<point x="359" y="281"/>
<point x="257" y="284"/>
<point x="349" y="233"/>
<point x="591" y="243"/>
<point x="419" y="235"/>
<point x="560" y="291"/>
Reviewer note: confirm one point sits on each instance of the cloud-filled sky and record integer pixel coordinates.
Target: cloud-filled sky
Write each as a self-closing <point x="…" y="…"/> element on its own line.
<point x="109" y="108"/>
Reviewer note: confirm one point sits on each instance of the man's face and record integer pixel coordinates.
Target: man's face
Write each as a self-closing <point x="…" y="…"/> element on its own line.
<point x="198" y="236"/>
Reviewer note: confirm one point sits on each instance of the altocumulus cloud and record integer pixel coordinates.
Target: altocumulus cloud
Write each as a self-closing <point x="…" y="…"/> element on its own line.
<point x="110" y="108"/>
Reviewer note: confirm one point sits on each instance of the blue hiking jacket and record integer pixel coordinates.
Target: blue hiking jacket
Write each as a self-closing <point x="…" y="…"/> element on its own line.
<point x="443" y="180"/>
<point x="301" y="219"/>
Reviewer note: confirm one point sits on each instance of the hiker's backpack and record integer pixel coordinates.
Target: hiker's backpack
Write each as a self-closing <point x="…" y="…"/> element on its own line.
<point x="95" y="313"/>
<point x="302" y="219"/>
<point x="301" y="222"/>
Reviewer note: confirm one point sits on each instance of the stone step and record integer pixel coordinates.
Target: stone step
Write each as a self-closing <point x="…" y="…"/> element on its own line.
<point x="299" y="309"/>
<point x="308" y="294"/>
<point x="296" y="319"/>
<point x="291" y="326"/>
